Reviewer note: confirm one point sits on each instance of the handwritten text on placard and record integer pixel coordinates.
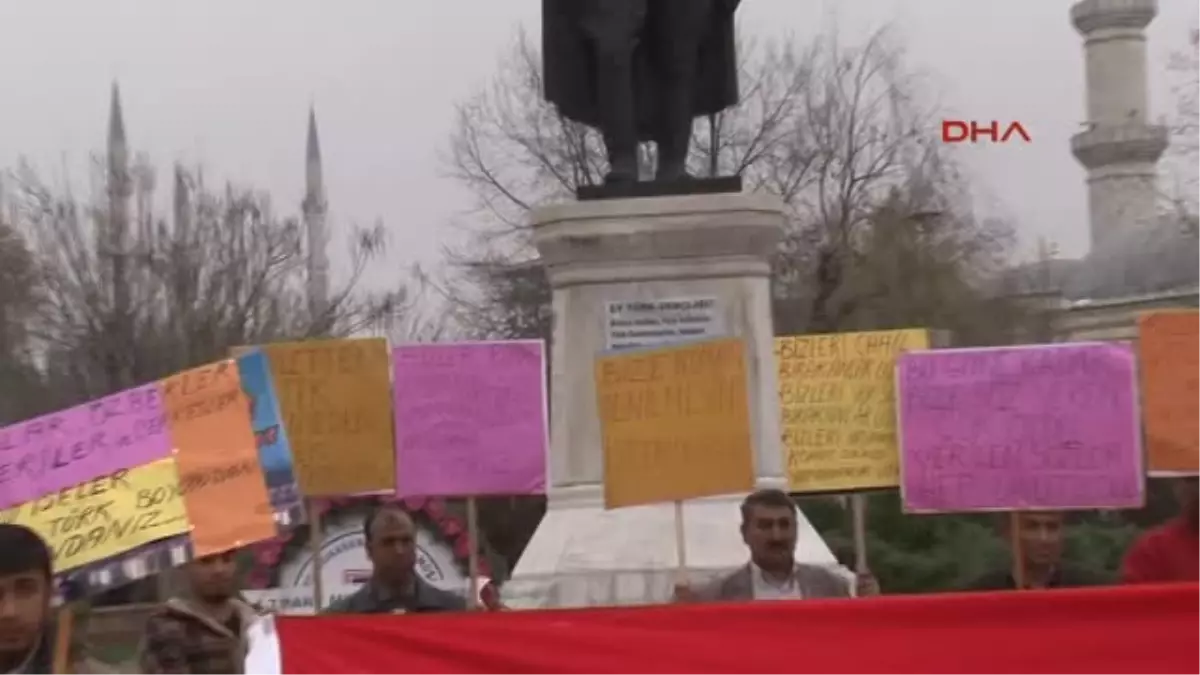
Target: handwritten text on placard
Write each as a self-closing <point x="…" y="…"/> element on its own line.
<point x="336" y="398"/>
<point x="54" y="451"/>
<point x="107" y="515"/>
<point x="470" y="418"/>
<point x="675" y="423"/>
<point x="1043" y="427"/>
<point x="222" y="482"/>
<point x="837" y="394"/>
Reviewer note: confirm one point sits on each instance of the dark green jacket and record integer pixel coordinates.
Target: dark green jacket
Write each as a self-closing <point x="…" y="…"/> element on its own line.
<point x="370" y="599"/>
<point x="1064" y="577"/>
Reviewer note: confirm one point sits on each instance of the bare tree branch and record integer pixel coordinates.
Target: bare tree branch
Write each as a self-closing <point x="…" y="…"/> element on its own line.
<point x="104" y="313"/>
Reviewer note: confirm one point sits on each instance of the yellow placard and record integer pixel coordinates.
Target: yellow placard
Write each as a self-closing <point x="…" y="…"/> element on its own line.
<point x="838" y="409"/>
<point x="336" y="399"/>
<point x="675" y="422"/>
<point x="106" y="516"/>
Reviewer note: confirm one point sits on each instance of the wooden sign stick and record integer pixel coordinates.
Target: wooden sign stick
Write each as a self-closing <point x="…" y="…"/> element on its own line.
<point x="473" y="554"/>
<point x="858" y="514"/>
<point x="64" y="630"/>
<point x="315" y="539"/>
<point x="681" y="575"/>
<point x="1018" y="553"/>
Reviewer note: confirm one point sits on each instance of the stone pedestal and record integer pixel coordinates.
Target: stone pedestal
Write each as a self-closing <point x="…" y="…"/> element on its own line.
<point x="644" y="271"/>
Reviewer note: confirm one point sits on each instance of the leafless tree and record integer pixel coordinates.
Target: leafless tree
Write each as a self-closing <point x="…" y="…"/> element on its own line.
<point x="1183" y="187"/>
<point x="110" y="311"/>
<point x="838" y="132"/>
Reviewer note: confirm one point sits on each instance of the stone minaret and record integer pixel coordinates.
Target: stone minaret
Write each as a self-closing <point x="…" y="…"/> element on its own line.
<point x="114" y="246"/>
<point x="114" y="236"/>
<point x="1119" y="149"/>
<point x="315" y="226"/>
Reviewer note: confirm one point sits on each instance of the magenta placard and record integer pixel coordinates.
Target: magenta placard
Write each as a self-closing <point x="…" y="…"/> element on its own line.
<point x="1036" y="427"/>
<point x="53" y="452"/>
<point x="470" y="418"/>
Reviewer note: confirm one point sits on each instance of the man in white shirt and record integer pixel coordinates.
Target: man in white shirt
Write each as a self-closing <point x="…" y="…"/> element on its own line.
<point x="769" y="530"/>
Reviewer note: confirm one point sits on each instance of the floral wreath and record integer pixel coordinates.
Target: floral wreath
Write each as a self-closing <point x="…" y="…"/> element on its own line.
<point x="452" y="530"/>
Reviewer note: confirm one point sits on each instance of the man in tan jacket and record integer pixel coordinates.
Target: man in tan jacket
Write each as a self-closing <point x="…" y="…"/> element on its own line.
<point x="205" y="630"/>
<point x="27" y="625"/>
<point x="769" y="528"/>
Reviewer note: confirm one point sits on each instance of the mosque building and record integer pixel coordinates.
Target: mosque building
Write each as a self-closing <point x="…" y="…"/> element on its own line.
<point x="1143" y="256"/>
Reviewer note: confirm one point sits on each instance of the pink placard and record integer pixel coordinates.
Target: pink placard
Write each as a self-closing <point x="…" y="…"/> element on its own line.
<point x="1037" y="427"/>
<point x="53" y="452"/>
<point x="470" y="418"/>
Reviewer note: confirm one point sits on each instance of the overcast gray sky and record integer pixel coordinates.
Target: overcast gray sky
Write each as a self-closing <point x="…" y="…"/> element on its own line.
<point x="227" y="83"/>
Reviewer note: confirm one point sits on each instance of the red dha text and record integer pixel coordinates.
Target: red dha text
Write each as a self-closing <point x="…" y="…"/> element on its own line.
<point x="961" y="131"/>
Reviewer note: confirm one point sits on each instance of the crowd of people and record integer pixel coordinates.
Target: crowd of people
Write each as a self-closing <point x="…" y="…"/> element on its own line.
<point x="204" y="630"/>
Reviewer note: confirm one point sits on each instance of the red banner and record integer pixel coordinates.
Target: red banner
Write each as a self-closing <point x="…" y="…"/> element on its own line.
<point x="1133" y="629"/>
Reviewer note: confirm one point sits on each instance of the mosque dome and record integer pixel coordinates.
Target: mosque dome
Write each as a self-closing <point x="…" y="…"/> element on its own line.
<point x="1156" y="258"/>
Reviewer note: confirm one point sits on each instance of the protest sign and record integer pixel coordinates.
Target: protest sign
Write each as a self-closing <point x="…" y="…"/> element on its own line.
<point x="837" y="394"/>
<point x="220" y="480"/>
<point x="1168" y="346"/>
<point x="1037" y="427"/>
<point x="51" y="452"/>
<point x="675" y="422"/>
<point x="274" y="452"/>
<point x="107" y="515"/>
<point x="336" y="397"/>
<point x="470" y="418"/>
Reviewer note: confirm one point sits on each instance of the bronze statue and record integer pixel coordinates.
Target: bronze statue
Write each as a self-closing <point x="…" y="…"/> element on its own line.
<point x="640" y="70"/>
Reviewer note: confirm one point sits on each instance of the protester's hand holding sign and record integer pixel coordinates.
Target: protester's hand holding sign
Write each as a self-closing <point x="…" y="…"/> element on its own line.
<point x="866" y="585"/>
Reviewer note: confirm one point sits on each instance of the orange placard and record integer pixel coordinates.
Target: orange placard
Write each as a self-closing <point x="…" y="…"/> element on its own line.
<point x="1167" y="351"/>
<point x="220" y="479"/>
<point x="675" y="422"/>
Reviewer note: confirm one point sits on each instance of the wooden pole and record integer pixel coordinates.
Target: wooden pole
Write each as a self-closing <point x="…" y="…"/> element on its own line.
<point x="64" y="630"/>
<point x="1018" y="552"/>
<point x="681" y="575"/>
<point x="473" y="554"/>
<point x="315" y="539"/>
<point x="858" y="513"/>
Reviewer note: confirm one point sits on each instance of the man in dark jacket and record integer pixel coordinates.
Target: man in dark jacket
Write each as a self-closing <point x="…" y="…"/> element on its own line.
<point x="1041" y="535"/>
<point x="394" y="587"/>
<point x="205" y="630"/>
<point x="27" y="627"/>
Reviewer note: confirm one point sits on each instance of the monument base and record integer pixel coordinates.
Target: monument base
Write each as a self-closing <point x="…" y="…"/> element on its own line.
<point x="630" y="273"/>
<point x="584" y="556"/>
<point x="655" y="188"/>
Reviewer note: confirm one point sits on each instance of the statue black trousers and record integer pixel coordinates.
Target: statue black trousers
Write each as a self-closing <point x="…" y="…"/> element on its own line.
<point x="669" y="33"/>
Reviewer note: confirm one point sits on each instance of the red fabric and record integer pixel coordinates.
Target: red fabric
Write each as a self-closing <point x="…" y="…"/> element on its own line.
<point x="1131" y="629"/>
<point x="1168" y="553"/>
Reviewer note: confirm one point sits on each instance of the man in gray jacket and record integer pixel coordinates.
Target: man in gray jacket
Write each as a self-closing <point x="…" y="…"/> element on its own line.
<point x="395" y="587"/>
<point x="769" y="530"/>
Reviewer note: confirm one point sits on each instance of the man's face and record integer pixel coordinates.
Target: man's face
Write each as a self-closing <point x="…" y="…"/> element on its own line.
<point x="1041" y="535"/>
<point x="770" y="532"/>
<point x="213" y="577"/>
<point x="392" y="545"/>
<point x="24" y="608"/>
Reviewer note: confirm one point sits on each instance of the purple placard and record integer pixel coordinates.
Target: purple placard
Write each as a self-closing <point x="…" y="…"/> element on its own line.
<point x="470" y="418"/>
<point x="72" y="446"/>
<point x="1037" y="427"/>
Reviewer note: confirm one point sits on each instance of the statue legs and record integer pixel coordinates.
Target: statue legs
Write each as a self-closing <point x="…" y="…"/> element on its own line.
<point x="614" y="26"/>
<point x="681" y="26"/>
